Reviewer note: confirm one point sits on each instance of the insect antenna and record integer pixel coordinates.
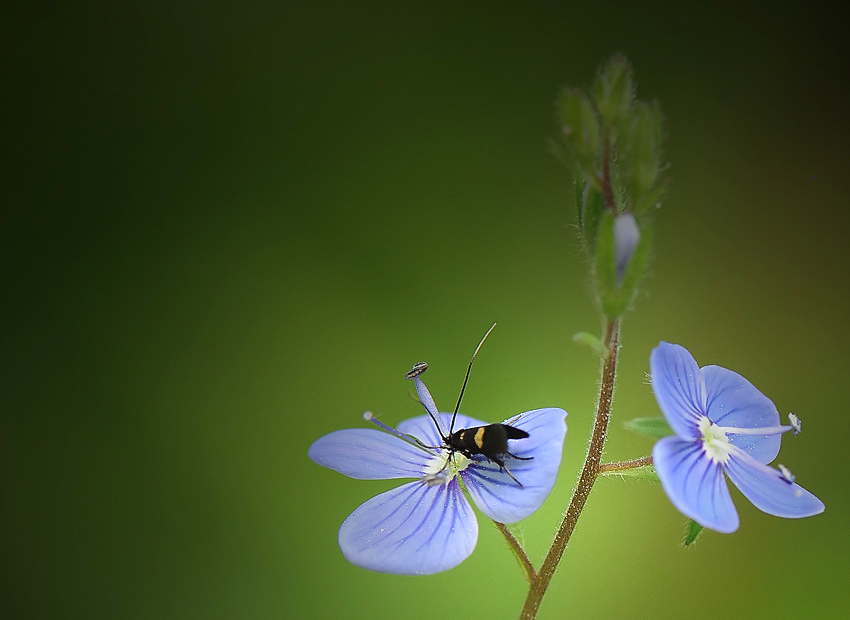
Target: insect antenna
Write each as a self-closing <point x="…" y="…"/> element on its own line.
<point x="466" y="378"/>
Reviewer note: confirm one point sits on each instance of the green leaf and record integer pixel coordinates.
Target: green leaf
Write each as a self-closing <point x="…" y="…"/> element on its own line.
<point x="593" y="342"/>
<point x="646" y="472"/>
<point x="692" y="531"/>
<point x="656" y="428"/>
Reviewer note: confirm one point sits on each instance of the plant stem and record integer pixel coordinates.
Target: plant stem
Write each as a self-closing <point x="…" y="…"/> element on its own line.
<point x="519" y="552"/>
<point x="589" y="473"/>
<point x="641" y="462"/>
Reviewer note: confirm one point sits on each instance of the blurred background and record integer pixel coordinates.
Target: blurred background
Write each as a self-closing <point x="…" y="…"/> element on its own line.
<point x="230" y="228"/>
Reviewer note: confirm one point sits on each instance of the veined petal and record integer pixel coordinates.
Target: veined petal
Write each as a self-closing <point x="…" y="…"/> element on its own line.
<point x="734" y="401"/>
<point x="546" y="429"/>
<point x="495" y="493"/>
<point x="422" y="427"/>
<point x="679" y="388"/>
<point x="367" y="454"/>
<point x="415" y="529"/>
<point x="769" y="490"/>
<point x="695" y="483"/>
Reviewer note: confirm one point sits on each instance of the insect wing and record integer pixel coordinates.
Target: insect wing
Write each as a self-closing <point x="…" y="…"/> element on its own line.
<point x="512" y="432"/>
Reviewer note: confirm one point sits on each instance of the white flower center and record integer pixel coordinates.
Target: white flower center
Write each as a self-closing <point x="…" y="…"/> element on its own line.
<point x="715" y="443"/>
<point x="443" y="467"/>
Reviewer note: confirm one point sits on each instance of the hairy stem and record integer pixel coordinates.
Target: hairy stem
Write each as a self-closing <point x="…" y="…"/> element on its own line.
<point x="519" y="552"/>
<point x="589" y="473"/>
<point x="609" y="467"/>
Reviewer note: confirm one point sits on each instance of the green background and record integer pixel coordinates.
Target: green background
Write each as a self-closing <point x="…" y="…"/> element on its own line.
<point x="229" y="229"/>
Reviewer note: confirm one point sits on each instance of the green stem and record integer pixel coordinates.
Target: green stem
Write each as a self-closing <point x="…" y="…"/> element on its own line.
<point x="609" y="467"/>
<point x="519" y="552"/>
<point x="589" y="473"/>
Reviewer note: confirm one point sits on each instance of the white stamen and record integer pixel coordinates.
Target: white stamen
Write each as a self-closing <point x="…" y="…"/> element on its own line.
<point x="768" y="430"/>
<point x="370" y="417"/>
<point x="715" y="443"/>
<point x="444" y="467"/>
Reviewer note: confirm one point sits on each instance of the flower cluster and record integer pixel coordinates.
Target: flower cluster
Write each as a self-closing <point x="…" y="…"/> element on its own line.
<point x="428" y="525"/>
<point x="723" y="424"/>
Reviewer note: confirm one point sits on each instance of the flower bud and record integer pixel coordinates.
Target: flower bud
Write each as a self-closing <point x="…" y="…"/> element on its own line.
<point x="621" y="260"/>
<point x="626" y="239"/>
<point x="614" y="90"/>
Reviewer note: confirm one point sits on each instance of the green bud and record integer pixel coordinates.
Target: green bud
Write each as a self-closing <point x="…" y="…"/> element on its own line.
<point x="579" y="125"/>
<point x="614" y="91"/>
<point x="618" y="280"/>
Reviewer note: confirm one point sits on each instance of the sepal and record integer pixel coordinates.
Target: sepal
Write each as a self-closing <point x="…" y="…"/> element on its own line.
<point x="641" y="142"/>
<point x="580" y="127"/>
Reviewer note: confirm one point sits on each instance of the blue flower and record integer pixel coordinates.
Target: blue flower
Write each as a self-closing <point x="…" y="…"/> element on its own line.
<point x="428" y="525"/>
<point x="722" y="424"/>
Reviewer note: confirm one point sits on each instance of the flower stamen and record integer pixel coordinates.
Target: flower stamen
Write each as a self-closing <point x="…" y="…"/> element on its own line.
<point x="370" y="417"/>
<point x="768" y="430"/>
<point x="444" y="467"/>
<point x="715" y="443"/>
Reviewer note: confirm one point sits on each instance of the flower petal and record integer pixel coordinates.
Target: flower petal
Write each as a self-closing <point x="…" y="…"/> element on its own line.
<point x="422" y="427"/>
<point x="679" y="388"/>
<point x="734" y="401"/>
<point x="769" y="490"/>
<point x="414" y="529"/>
<point x="695" y="483"/>
<point x="495" y="493"/>
<point x="367" y="454"/>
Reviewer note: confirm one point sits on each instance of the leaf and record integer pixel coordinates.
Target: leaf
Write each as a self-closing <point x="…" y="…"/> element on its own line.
<point x="594" y="343"/>
<point x="646" y="472"/>
<point x="656" y="428"/>
<point x="692" y="531"/>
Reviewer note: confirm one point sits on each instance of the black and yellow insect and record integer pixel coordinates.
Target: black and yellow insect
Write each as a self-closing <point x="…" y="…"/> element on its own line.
<point x="490" y="441"/>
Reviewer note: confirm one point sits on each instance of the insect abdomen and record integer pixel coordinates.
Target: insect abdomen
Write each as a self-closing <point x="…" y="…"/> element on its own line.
<point x="490" y="440"/>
